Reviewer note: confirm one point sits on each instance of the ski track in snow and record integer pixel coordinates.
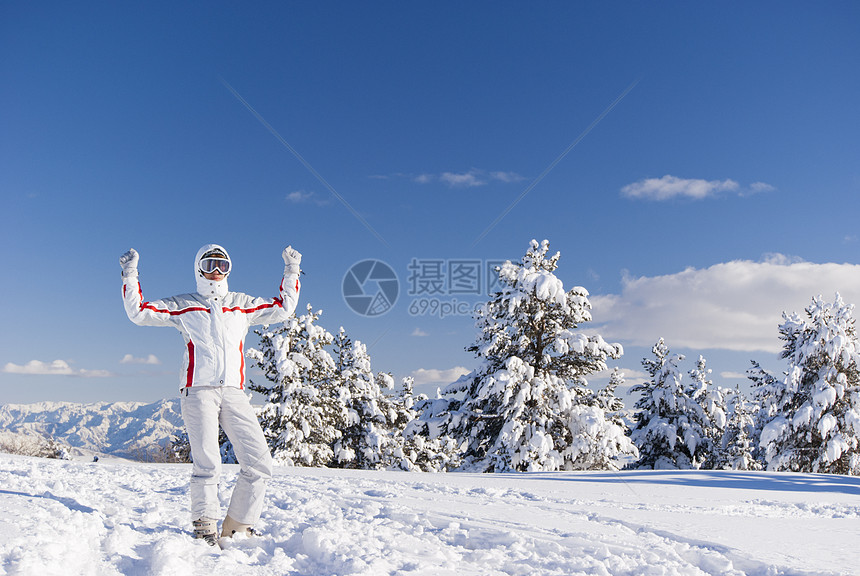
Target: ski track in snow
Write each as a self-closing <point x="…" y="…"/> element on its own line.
<point x="73" y="517"/>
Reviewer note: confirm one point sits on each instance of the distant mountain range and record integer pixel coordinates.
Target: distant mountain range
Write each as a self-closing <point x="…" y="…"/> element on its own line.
<point x="122" y="429"/>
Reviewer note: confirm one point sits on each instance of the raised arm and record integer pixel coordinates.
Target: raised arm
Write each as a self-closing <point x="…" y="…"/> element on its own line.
<point x="290" y="286"/>
<point x="142" y="313"/>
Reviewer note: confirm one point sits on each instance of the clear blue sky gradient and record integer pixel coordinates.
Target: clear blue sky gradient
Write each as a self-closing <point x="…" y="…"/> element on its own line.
<point x="118" y="130"/>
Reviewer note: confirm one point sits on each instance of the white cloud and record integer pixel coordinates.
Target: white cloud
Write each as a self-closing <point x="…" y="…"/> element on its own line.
<point x="419" y="332"/>
<point x="433" y="376"/>
<point x="468" y="179"/>
<point x="379" y="177"/>
<point x="761" y="187"/>
<point x="299" y="196"/>
<point x="506" y="177"/>
<point x="303" y="197"/>
<point x="473" y="178"/>
<point x="669" y="187"/>
<point x="734" y="376"/>
<point x="129" y="359"/>
<point x="735" y="305"/>
<point x="55" y="368"/>
<point x="631" y="376"/>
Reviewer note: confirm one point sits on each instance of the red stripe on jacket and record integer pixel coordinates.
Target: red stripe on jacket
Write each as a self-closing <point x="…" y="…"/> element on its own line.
<point x="276" y="302"/>
<point x="189" y="379"/>
<point x="242" y="366"/>
<point x="282" y="285"/>
<point x="148" y="306"/>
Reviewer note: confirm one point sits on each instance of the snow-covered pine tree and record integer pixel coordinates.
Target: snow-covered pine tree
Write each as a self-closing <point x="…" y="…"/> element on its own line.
<point x="375" y="435"/>
<point x="422" y="448"/>
<point x="527" y="406"/>
<point x="609" y="402"/>
<point x="667" y="427"/>
<point x="767" y="393"/>
<point x="737" y="448"/>
<point x="711" y="420"/>
<point x="303" y="416"/>
<point x="609" y="407"/>
<point x="178" y="448"/>
<point x="368" y="432"/>
<point x="814" y="414"/>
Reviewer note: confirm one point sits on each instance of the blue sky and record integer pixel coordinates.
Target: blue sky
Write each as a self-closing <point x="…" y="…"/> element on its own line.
<point x="696" y="166"/>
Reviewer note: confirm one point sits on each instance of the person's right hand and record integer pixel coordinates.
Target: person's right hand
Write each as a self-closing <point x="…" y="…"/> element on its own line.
<point x="128" y="261"/>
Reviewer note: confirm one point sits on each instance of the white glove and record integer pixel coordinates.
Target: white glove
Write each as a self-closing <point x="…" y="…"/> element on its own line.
<point x="128" y="261"/>
<point x="292" y="259"/>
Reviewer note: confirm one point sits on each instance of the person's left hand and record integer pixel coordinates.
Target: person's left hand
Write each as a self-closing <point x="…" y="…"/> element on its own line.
<point x="292" y="260"/>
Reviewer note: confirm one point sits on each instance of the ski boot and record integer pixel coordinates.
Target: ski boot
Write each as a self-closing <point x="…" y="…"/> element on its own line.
<point x="231" y="528"/>
<point x="206" y="529"/>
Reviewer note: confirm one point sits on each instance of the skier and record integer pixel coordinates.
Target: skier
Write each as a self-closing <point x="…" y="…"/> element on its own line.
<point x="214" y="322"/>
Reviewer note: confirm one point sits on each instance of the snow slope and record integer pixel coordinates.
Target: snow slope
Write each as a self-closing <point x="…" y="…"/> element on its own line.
<point x="73" y="517"/>
<point x="124" y="429"/>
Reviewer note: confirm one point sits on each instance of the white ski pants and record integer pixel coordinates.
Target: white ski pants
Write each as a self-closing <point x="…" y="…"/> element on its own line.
<point x="203" y="409"/>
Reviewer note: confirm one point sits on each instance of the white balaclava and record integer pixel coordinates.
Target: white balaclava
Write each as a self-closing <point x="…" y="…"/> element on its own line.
<point x="210" y="288"/>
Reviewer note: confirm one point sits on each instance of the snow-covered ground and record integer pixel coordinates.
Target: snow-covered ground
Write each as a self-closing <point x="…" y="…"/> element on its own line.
<point x="116" y="517"/>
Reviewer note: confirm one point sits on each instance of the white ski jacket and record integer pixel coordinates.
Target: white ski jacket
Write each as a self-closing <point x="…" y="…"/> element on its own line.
<point x="214" y="326"/>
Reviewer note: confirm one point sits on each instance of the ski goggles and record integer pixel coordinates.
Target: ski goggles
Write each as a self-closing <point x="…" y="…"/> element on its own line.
<point x="209" y="265"/>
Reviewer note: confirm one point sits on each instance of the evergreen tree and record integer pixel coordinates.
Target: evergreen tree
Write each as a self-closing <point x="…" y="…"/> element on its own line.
<point x="710" y="421"/>
<point x="375" y="435"/>
<point x="178" y="448"/>
<point x="611" y="409"/>
<point x="527" y="407"/>
<point x="737" y="448"/>
<point x="768" y="393"/>
<point x="668" y="429"/>
<point x="303" y="416"/>
<point x="609" y="402"/>
<point x="812" y="416"/>
<point x="421" y="448"/>
<point x="371" y="415"/>
<point x="326" y="407"/>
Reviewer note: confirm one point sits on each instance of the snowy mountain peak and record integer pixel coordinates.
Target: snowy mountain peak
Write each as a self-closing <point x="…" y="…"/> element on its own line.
<point x="124" y="429"/>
